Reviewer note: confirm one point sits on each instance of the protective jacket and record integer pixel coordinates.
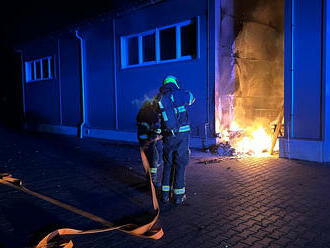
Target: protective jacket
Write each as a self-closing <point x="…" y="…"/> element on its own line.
<point x="148" y="122"/>
<point x="173" y="104"/>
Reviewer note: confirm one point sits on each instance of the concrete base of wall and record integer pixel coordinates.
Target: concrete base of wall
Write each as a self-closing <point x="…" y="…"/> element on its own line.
<point x="111" y="135"/>
<point x="310" y="150"/>
<point x="195" y="142"/>
<point x="57" y="129"/>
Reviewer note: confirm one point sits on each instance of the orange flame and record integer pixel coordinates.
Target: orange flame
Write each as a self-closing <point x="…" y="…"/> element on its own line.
<point x="256" y="142"/>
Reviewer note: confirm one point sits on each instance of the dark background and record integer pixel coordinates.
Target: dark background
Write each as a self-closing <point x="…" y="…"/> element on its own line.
<point x="22" y="21"/>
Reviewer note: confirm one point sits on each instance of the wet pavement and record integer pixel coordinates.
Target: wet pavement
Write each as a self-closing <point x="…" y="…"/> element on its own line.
<point x="245" y="202"/>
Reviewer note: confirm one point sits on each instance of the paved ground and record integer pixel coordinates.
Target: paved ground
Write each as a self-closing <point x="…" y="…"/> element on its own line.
<point x="250" y="202"/>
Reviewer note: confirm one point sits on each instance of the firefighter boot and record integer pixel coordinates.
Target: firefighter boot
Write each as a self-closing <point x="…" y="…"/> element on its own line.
<point x="165" y="197"/>
<point x="165" y="193"/>
<point x="179" y="199"/>
<point x="154" y="177"/>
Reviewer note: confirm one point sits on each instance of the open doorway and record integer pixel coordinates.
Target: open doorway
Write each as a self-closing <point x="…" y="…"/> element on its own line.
<point x="250" y="74"/>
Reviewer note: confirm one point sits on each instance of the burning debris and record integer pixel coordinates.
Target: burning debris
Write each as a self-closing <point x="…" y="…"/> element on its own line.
<point x="222" y="149"/>
<point x="237" y="142"/>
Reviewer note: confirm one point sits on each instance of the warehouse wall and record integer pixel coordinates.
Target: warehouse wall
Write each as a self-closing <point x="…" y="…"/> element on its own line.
<point x="55" y="101"/>
<point x="140" y="83"/>
<point x="305" y="91"/>
<point x="99" y="75"/>
<point x="303" y="70"/>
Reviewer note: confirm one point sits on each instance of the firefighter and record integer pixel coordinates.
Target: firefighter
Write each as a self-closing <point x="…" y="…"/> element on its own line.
<point x="173" y="102"/>
<point x="148" y="131"/>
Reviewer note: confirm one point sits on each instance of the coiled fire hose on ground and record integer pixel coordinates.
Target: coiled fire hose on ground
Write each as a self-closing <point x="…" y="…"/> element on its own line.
<point x="61" y="237"/>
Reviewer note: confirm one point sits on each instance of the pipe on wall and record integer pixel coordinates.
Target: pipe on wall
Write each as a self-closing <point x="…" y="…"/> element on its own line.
<point x="115" y="73"/>
<point x="325" y="83"/>
<point x="291" y="116"/>
<point x="208" y="105"/>
<point x="292" y="66"/>
<point x="60" y="80"/>
<point x="213" y="29"/>
<point x="83" y="84"/>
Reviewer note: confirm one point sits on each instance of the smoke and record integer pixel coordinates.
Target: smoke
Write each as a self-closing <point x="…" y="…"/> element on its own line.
<point x="140" y="101"/>
<point x="259" y="67"/>
<point x="251" y="85"/>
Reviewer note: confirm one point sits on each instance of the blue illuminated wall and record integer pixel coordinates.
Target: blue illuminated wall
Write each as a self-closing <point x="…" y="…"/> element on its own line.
<point x="113" y="94"/>
<point x="99" y="75"/>
<point x="134" y="84"/>
<point x="305" y="77"/>
<point x="306" y="94"/>
<point x="88" y="63"/>
<point x="42" y="98"/>
<point x="69" y="56"/>
<point x="55" y="101"/>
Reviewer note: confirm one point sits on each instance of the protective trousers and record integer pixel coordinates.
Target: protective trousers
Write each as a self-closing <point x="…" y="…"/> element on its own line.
<point x="152" y="154"/>
<point x="176" y="158"/>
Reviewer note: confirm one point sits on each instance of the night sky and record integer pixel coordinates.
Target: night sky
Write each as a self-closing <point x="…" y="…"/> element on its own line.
<point x="28" y="19"/>
<point x="25" y="20"/>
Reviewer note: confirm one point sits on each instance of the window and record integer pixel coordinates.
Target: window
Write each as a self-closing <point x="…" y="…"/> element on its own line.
<point x="45" y="67"/>
<point x="133" y="51"/>
<point x="149" y="48"/>
<point x="40" y="69"/>
<point x="167" y="38"/>
<point x="188" y="40"/>
<point x="164" y="44"/>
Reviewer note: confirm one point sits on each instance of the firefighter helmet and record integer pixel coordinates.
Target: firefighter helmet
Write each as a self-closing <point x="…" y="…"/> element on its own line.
<point x="171" y="79"/>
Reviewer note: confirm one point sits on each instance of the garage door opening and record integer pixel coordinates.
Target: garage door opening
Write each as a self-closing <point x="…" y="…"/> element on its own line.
<point x="250" y="76"/>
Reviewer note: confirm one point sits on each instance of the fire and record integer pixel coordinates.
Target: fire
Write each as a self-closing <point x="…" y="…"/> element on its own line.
<point x="253" y="141"/>
<point x="234" y="126"/>
<point x="257" y="143"/>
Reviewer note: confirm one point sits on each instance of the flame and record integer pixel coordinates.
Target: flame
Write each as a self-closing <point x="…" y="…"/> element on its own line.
<point x="234" y="126"/>
<point x="225" y="135"/>
<point x="256" y="142"/>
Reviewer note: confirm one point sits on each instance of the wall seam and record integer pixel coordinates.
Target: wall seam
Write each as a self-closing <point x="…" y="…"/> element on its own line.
<point x="59" y="81"/>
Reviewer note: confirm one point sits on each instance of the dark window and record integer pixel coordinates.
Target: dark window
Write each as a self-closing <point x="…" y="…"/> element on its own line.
<point x="38" y="70"/>
<point x="188" y="40"/>
<point x="31" y="67"/>
<point x="133" y="51"/>
<point x="149" y="51"/>
<point x="167" y="39"/>
<point x="52" y="67"/>
<point x="45" y="68"/>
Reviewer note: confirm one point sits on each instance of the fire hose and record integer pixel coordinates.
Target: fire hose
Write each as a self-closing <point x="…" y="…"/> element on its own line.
<point x="59" y="237"/>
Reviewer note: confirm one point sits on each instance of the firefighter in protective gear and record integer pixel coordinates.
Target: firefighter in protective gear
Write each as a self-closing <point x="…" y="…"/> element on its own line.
<point x="173" y="103"/>
<point x="149" y="136"/>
